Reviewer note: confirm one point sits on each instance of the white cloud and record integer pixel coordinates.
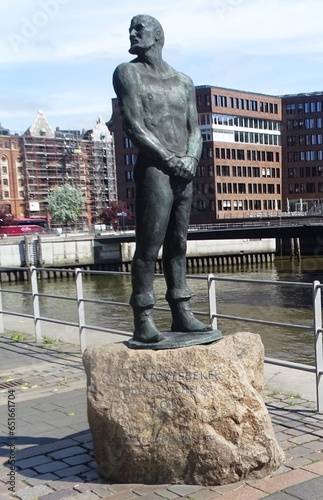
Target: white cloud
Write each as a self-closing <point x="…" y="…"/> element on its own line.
<point x="61" y="53"/>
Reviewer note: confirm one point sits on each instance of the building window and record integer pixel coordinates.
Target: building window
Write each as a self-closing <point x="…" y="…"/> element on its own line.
<point x="129" y="175"/>
<point x="225" y="171"/>
<point x="290" y="109"/>
<point x="223" y="101"/>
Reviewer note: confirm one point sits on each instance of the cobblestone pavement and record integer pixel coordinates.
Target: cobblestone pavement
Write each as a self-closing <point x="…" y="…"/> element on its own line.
<point x="52" y="444"/>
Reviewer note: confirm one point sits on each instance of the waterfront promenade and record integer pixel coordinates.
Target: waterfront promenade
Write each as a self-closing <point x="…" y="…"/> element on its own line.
<point x="53" y="441"/>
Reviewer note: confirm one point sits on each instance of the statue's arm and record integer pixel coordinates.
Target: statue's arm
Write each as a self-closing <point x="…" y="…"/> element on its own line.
<point x="194" y="144"/>
<point x="127" y="88"/>
<point x="190" y="161"/>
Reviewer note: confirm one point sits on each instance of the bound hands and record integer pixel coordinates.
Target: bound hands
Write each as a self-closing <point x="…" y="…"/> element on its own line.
<point x="183" y="169"/>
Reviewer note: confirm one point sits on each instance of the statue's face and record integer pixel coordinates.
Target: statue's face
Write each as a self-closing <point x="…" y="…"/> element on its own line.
<point x="142" y="35"/>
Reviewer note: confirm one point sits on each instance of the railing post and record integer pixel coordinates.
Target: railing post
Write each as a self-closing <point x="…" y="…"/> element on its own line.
<point x="35" y="299"/>
<point x="212" y="301"/>
<point x="1" y="315"/>
<point x="317" y="296"/>
<point x="80" y="308"/>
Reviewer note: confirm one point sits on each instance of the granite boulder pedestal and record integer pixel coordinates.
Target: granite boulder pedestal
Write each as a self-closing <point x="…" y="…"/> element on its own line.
<point x="192" y="415"/>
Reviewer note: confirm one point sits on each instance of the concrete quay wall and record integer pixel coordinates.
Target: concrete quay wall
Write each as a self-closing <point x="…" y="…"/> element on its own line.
<point x="73" y="251"/>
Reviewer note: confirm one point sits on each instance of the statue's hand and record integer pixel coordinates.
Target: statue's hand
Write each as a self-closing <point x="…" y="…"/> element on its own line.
<point x="182" y="168"/>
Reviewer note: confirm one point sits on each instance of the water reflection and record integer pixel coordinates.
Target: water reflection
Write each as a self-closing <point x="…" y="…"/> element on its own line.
<point x="254" y="300"/>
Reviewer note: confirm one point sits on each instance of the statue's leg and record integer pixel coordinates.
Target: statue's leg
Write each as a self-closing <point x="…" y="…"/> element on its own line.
<point x="153" y="205"/>
<point x="174" y="264"/>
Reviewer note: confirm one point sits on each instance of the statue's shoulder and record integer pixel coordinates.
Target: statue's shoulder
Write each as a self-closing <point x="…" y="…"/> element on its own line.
<point x="125" y="70"/>
<point x="185" y="80"/>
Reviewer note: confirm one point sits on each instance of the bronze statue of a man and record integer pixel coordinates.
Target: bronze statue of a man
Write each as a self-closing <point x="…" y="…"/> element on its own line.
<point x="159" y="114"/>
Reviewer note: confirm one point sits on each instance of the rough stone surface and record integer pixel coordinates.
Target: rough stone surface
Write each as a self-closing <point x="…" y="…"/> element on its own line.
<point x="193" y="415"/>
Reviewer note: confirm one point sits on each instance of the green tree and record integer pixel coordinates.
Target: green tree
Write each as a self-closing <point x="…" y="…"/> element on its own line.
<point x="65" y="204"/>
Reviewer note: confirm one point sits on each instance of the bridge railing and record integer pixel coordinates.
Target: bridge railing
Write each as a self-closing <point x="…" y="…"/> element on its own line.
<point x="79" y="300"/>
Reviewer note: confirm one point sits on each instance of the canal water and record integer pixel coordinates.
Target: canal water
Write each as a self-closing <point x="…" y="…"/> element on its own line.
<point x="279" y="303"/>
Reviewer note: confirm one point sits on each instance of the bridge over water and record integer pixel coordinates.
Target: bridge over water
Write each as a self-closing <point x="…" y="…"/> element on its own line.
<point x="304" y="227"/>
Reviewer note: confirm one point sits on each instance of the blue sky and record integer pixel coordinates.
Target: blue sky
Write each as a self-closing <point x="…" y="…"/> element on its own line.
<point x="59" y="55"/>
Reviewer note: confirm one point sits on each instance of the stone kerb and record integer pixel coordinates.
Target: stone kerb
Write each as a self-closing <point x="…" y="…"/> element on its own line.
<point x="193" y="415"/>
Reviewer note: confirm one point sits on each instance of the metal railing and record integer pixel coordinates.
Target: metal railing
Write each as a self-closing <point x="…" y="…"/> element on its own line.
<point x="81" y="324"/>
<point x="316" y="328"/>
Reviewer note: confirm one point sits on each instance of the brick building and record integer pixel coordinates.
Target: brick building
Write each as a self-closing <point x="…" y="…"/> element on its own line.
<point x="239" y="174"/>
<point x="302" y="143"/>
<point x="50" y="158"/>
<point x="11" y="175"/>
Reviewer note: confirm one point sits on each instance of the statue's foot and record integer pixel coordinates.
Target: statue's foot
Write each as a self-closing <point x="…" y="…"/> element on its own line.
<point x="189" y="324"/>
<point x="148" y="338"/>
<point x="145" y="328"/>
<point x="184" y="320"/>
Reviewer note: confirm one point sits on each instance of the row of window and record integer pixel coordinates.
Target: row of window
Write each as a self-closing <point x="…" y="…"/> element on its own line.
<point x="302" y="124"/>
<point x="305" y="172"/>
<point x="249" y="188"/>
<point x="244" y="137"/>
<point x="242" y="154"/>
<point x="241" y="171"/>
<point x="297" y="156"/>
<point x="250" y="205"/>
<point x="308" y="187"/>
<point x="203" y="188"/>
<point x="238" y="121"/>
<point x="237" y="103"/>
<point x="304" y="140"/>
<point x="304" y="107"/>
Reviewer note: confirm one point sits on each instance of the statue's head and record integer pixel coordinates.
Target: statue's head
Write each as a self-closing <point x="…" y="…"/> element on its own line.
<point x="145" y="31"/>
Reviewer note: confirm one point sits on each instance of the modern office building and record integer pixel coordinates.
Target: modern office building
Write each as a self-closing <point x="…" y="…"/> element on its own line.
<point x="242" y="144"/>
<point x="239" y="174"/>
<point x="302" y="160"/>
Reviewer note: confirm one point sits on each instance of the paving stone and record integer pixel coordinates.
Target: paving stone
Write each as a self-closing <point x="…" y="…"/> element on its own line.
<point x="204" y="494"/>
<point x="144" y="489"/>
<point x="76" y="470"/>
<point x="60" y="495"/>
<point x="69" y="451"/>
<point x="58" y="484"/>
<point x="297" y="463"/>
<point x="31" y="462"/>
<point x="302" y="439"/>
<point x="278" y="483"/>
<point x="35" y="492"/>
<point x="85" y="496"/>
<point x="52" y="466"/>
<point x="316" y="468"/>
<point x="41" y="479"/>
<point x="166" y="494"/>
<point x="280" y="496"/>
<point x="310" y="490"/>
<point x="150" y="496"/>
<point x="244" y="493"/>
<point x="183" y="490"/>
<point x="44" y="448"/>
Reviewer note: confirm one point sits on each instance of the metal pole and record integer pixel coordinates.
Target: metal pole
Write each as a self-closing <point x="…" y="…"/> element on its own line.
<point x="35" y="298"/>
<point x="1" y="315"/>
<point x="80" y="308"/>
<point x="212" y="301"/>
<point x="317" y="296"/>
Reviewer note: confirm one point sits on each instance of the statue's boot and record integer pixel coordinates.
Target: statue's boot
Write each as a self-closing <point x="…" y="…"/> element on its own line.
<point x="145" y="329"/>
<point x="183" y="318"/>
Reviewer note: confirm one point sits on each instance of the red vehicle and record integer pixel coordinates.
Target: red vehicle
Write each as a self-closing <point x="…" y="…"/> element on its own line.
<point x="41" y="221"/>
<point x="20" y="230"/>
